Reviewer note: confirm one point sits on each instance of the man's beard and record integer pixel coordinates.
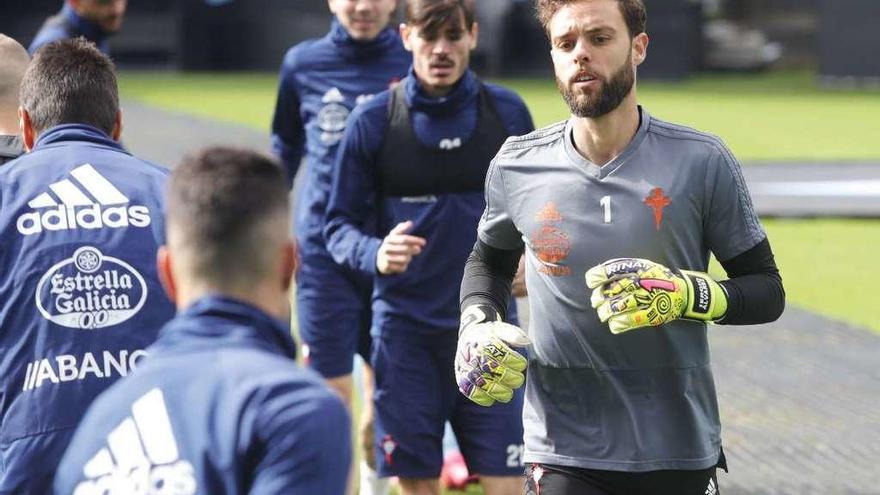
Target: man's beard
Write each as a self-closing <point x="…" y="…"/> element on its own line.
<point x="610" y="96"/>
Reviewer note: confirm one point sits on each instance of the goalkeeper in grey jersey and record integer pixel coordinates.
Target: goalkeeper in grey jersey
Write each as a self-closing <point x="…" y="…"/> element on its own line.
<point x="618" y="213"/>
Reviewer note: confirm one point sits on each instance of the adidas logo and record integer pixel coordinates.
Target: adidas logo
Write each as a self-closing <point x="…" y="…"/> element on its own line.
<point x="141" y="456"/>
<point x="333" y="96"/>
<point x="712" y="489"/>
<point x="88" y="202"/>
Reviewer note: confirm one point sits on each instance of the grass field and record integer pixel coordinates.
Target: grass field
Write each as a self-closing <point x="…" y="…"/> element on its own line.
<point x="761" y="117"/>
<point x="774" y="117"/>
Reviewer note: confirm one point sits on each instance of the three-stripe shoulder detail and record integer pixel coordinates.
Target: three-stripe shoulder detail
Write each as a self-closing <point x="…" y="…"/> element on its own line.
<point x="539" y="137"/>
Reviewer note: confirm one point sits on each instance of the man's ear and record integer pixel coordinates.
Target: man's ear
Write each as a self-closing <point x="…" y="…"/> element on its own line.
<point x="26" y="126"/>
<point x="475" y="35"/>
<point x="166" y="274"/>
<point x="405" y="31"/>
<point x="289" y="264"/>
<point x="640" y="48"/>
<point x="116" y="133"/>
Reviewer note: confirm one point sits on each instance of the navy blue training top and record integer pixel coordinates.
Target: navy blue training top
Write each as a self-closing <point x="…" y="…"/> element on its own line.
<point x="424" y="299"/>
<point x="80" y="222"/>
<point x="67" y="24"/>
<point x="322" y="80"/>
<point x="220" y="406"/>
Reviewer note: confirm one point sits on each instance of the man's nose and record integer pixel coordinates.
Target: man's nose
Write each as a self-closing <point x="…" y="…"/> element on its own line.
<point x="582" y="52"/>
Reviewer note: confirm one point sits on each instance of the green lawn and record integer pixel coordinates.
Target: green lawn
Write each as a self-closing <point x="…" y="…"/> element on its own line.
<point x="761" y="117"/>
<point x="827" y="266"/>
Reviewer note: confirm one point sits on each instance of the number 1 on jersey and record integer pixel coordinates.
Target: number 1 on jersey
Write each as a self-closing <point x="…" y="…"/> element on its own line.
<point x="605" y="202"/>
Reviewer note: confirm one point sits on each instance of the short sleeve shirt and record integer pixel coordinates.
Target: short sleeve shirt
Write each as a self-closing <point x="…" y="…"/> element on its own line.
<point x="643" y="400"/>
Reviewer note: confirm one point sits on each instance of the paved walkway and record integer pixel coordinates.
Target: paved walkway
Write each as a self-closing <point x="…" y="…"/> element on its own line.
<point x="164" y="137"/>
<point x="800" y="406"/>
<point x="800" y="398"/>
<point x="815" y="189"/>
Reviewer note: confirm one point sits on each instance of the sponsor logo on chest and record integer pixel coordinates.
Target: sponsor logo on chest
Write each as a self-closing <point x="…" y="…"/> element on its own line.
<point x="450" y="143"/>
<point x="550" y="242"/>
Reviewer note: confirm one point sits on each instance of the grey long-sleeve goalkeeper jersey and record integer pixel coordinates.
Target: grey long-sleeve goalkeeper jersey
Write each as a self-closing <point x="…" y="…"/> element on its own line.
<point x="644" y="400"/>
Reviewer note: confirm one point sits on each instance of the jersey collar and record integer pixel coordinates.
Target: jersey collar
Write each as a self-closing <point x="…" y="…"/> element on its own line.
<point x="226" y="321"/>
<point x="591" y="168"/>
<point x="351" y="48"/>
<point x="69" y="133"/>
<point x="463" y="94"/>
<point x="10" y="147"/>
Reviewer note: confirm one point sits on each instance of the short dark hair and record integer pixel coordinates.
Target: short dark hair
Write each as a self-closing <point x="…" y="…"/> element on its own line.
<point x="70" y="82"/>
<point x="227" y="208"/>
<point x="634" y="14"/>
<point x="432" y="15"/>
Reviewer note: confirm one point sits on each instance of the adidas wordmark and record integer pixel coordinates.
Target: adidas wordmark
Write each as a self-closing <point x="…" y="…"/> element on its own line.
<point x="103" y="207"/>
<point x="141" y="456"/>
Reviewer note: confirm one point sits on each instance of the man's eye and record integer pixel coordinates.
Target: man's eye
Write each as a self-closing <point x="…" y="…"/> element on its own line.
<point x="565" y="45"/>
<point x="601" y="40"/>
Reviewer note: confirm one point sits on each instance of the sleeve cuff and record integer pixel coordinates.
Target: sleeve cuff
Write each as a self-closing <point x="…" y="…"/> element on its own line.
<point x="367" y="258"/>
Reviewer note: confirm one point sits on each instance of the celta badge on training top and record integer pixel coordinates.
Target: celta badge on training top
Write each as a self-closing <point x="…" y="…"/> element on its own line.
<point x="331" y="117"/>
<point x="90" y="290"/>
<point x="657" y="200"/>
<point x="388" y="447"/>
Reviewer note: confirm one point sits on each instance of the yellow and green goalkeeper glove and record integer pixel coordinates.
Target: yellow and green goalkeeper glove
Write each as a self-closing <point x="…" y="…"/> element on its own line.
<point x="486" y="368"/>
<point x="630" y="293"/>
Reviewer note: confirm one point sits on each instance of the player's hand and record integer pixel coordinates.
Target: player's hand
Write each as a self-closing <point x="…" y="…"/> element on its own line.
<point x="397" y="249"/>
<point x="486" y="368"/>
<point x="630" y="293"/>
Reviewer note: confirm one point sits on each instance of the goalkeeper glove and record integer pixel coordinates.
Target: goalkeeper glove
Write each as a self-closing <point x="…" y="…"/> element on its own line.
<point x="630" y="293"/>
<point x="486" y="368"/>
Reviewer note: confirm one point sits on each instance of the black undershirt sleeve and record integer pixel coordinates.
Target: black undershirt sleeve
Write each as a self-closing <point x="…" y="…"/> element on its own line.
<point x="488" y="274"/>
<point x="754" y="290"/>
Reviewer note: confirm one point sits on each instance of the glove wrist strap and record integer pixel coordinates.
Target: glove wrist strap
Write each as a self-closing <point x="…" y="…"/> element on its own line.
<point x="706" y="300"/>
<point x="477" y="313"/>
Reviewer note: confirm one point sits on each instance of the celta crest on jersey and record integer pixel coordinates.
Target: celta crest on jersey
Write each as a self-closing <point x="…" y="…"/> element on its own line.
<point x="332" y="116"/>
<point x="141" y="456"/>
<point x="389" y="445"/>
<point x="87" y="200"/>
<point x="657" y="201"/>
<point x="90" y="290"/>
